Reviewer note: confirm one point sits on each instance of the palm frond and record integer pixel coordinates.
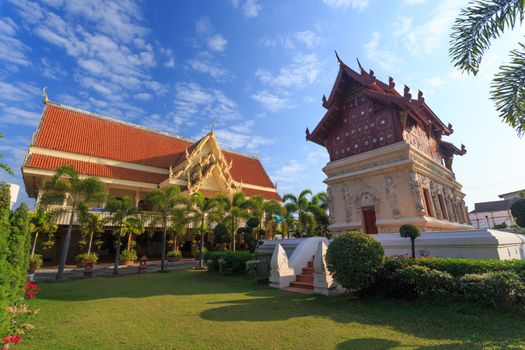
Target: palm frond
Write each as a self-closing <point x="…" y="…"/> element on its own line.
<point x="508" y="91"/>
<point x="477" y="25"/>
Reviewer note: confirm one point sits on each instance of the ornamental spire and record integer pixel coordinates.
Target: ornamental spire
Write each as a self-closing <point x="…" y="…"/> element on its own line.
<point x="44" y="94"/>
<point x="338" y="59"/>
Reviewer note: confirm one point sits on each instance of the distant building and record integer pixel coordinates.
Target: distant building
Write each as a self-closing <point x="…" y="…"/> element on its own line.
<point x="14" y="194"/>
<point x="490" y="214"/>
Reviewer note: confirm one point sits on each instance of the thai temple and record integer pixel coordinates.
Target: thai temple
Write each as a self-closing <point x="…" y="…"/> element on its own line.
<point x="389" y="163"/>
<point x="132" y="160"/>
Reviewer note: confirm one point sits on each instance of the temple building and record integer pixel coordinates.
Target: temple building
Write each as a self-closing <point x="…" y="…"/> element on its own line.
<point x="389" y="164"/>
<point x="132" y="160"/>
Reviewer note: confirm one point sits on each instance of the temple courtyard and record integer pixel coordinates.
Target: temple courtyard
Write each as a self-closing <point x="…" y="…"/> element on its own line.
<point x="188" y="309"/>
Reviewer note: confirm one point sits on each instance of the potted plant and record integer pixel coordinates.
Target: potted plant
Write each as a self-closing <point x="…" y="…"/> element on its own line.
<point x="35" y="263"/>
<point x="128" y="257"/>
<point x="81" y="258"/>
<point x="174" y="256"/>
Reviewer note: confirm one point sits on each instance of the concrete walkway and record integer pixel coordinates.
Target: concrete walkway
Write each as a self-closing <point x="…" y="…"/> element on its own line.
<point x="48" y="273"/>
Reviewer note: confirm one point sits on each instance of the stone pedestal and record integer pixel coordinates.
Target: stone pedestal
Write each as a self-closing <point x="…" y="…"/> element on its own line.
<point x="280" y="274"/>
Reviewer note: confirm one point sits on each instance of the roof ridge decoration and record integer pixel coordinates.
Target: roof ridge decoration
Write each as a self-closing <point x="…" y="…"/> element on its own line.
<point x="133" y="125"/>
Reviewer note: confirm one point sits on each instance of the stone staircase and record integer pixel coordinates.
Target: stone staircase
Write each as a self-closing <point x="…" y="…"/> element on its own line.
<point x="304" y="283"/>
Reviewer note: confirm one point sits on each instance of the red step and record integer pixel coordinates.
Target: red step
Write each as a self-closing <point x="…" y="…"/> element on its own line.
<point x="310" y="264"/>
<point x="305" y="278"/>
<point x="303" y="285"/>
<point x="308" y="271"/>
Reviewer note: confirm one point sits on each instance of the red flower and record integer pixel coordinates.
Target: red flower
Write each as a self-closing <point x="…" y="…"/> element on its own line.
<point x="31" y="289"/>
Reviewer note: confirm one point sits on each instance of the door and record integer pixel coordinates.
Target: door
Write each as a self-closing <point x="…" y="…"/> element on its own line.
<point x="369" y="218"/>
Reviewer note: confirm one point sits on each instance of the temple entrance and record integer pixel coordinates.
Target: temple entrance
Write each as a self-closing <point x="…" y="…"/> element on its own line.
<point x="369" y="218"/>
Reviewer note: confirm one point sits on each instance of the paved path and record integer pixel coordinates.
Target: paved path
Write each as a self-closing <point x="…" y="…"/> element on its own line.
<point x="106" y="269"/>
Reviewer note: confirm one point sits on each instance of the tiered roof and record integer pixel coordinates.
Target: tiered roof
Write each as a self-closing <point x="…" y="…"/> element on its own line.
<point x="66" y="129"/>
<point x="376" y="90"/>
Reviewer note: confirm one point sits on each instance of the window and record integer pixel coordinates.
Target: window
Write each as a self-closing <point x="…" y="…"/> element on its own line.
<point x="442" y="206"/>
<point x="428" y="203"/>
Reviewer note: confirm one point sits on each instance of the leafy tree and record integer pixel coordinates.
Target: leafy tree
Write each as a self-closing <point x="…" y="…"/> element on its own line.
<point x="518" y="211"/>
<point x="19" y="246"/>
<point x="180" y="219"/>
<point x="132" y="226"/>
<point x="472" y="33"/>
<point x="205" y="211"/>
<point x="40" y="224"/>
<point x="120" y="210"/>
<point x="412" y="232"/>
<point x="319" y="209"/>
<point x="301" y="207"/>
<point x="67" y="183"/>
<point x="163" y="202"/>
<point x="3" y="165"/>
<point x="5" y="229"/>
<point x="287" y="220"/>
<point x="234" y="208"/>
<point x="91" y="225"/>
<point x="263" y="209"/>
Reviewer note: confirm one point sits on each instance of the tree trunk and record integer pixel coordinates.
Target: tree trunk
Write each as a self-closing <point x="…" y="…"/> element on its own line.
<point x="163" y="251"/>
<point x="413" y="248"/>
<point x="233" y="232"/>
<point x="65" y="246"/>
<point x="89" y="245"/>
<point x="129" y="241"/>
<point x="175" y="243"/>
<point x="201" y="258"/>
<point x="117" y="253"/>
<point x="34" y="246"/>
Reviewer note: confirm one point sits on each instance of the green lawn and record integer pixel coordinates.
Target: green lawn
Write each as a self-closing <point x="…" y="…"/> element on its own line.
<point x="198" y="310"/>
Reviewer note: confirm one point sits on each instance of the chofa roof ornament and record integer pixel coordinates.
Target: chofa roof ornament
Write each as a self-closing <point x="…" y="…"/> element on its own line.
<point x="44" y="94"/>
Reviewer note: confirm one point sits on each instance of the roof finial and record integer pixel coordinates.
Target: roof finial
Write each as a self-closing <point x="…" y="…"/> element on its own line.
<point x="338" y="59"/>
<point x="391" y="82"/>
<point x="257" y="155"/>
<point x="406" y="93"/>
<point x="212" y="127"/>
<point x="360" y="66"/>
<point x="45" y="95"/>
<point x="420" y="97"/>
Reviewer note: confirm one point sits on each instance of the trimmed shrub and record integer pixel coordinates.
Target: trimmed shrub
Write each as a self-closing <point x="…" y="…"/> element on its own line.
<point x="229" y="262"/>
<point x="412" y="232"/>
<point x="502" y="288"/>
<point x="421" y="282"/>
<point x="128" y="255"/>
<point x="355" y="260"/>
<point x="80" y="258"/>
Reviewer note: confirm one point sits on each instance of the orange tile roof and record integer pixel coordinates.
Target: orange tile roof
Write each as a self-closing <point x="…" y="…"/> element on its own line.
<point x="39" y="161"/>
<point x="70" y="130"/>
<point x="250" y="192"/>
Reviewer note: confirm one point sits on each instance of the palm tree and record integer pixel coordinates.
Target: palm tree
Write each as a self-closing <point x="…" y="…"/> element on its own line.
<point x="163" y="202"/>
<point x="91" y="225"/>
<point x="41" y="223"/>
<point x="205" y="211"/>
<point x="318" y="207"/>
<point x="287" y="221"/>
<point x="300" y="206"/>
<point x="234" y="208"/>
<point x="120" y="210"/>
<point x="180" y="219"/>
<point x="3" y="165"/>
<point x="472" y="33"/>
<point x="263" y="209"/>
<point x="132" y="226"/>
<point x="66" y="183"/>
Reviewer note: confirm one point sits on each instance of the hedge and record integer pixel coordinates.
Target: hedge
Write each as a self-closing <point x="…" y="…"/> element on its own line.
<point x="457" y="267"/>
<point x="5" y="229"/>
<point x="229" y="262"/>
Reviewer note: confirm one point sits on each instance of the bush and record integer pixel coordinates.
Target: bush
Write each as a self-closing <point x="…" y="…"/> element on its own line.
<point x="80" y="258"/>
<point x="502" y="288"/>
<point x="175" y="254"/>
<point x="128" y="255"/>
<point x="422" y="282"/>
<point x="518" y="211"/>
<point x="36" y="261"/>
<point x="229" y="262"/>
<point x="354" y="259"/>
<point x="221" y="234"/>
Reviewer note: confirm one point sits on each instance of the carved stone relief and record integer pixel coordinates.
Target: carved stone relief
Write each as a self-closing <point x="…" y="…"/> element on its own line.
<point x="366" y="197"/>
<point x="392" y="196"/>
<point x="330" y="205"/>
<point x="347" y="202"/>
<point x="413" y="184"/>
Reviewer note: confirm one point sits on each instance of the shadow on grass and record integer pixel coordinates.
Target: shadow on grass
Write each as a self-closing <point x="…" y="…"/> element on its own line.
<point x="463" y="325"/>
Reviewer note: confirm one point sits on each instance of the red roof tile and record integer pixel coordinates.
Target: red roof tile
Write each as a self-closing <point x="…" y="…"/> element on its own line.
<point x="68" y="130"/>
<point x="39" y="161"/>
<point x="250" y="192"/>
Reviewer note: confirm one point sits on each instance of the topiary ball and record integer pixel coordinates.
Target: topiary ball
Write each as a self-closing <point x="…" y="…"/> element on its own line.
<point x="354" y="259"/>
<point x="409" y="231"/>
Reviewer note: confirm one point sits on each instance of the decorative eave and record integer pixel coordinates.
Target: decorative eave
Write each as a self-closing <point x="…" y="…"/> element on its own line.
<point x="450" y="148"/>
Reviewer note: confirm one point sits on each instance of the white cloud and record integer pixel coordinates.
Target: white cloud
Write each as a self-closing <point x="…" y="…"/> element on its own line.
<point x="18" y="92"/>
<point x="318" y="156"/>
<point x="413" y="2"/>
<point x="304" y="70"/>
<point x="434" y="81"/>
<point x="216" y="42"/>
<point x="52" y="70"/>
<point x="309" y="38"/>
<point x="19" y="116"/>
<point x="205" y="63"/>
<point x="401" y="26"/>
<point x="384" y="58"/>
<point x="271" y="101"/>
<point x="288" y="172"/>
<point x="341" y="4"/>
<point x="12" y="50"/>
<point x="235" y="140"/>
<point x="249" y="8"/>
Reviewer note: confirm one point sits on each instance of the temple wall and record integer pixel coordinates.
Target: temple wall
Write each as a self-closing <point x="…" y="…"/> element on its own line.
<point x="393" y="180"/>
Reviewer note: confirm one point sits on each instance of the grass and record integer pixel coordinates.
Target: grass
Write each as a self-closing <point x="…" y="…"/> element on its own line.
<point x="198" y="310"/>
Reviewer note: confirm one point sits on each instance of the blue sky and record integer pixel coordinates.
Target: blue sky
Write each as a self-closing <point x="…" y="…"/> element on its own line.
<point x="257" y="68"/>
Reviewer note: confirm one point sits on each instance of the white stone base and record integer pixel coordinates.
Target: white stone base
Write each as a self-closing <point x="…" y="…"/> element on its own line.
<point x="480" y="244"/>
